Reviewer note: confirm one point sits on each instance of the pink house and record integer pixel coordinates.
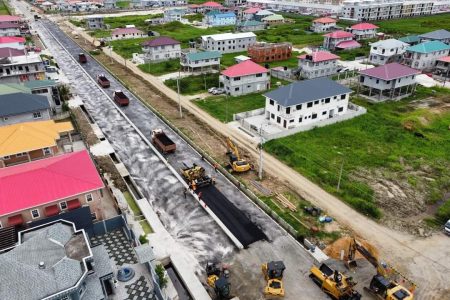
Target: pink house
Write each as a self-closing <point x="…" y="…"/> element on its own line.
<point x="364" y="31"/>
<point x="340" y="40"/>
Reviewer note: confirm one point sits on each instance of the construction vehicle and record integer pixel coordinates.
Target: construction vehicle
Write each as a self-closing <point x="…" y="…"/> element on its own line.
<point x="380" y="286"/>
<point x="273" y="273"/>
<point x="236" y="162"/>
<point x="162" y="141"/>
<point x="334" y="283"/>
<point x="82" y="59"/>
<point x="196" y="176"/>
<point x="103" y="81"/>
<point x="218" y="276"/>
<point x="120" y="98"/>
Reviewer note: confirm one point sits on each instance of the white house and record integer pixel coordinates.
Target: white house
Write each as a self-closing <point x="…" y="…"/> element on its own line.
<point x="12" y="42"/>
<point x="200" y="61"/>
<point x="126" y="33"/>
<point x="228" y="42"/>
<point x="245" y="78"/>
<point x="390" y="81"/>
<point x="95" y="22"/>
<point x="305" y="102"/>
<point x="423" y="56"/>
<point x="318" y="64"/>
<point x="387" y="51"/>
<point x="172" y="15"/>
<point x="161" y="48"/>
<point x="364" y="31"/>
<point x="339" y="40"/>
<point x="9" y="29"/>
<point x="323" y="24"/>
<point x="217" y="18"/>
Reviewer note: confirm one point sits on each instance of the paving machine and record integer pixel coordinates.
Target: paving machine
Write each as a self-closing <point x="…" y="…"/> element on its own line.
<point x="273" y="273"/>
<point x="196" y="176"/>
<point x="236" y="162"/>
<point x="218" y="276"/>
<point x="334" y="283"/>
<point x="380" y="286"/>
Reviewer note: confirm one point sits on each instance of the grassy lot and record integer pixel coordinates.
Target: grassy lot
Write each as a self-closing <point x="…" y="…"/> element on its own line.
<point x="132" y="204"/>
<point x="228" y="58"/>
<point x="161" y="68"/>
<point x="100" y="33"/>
<point x="138" y="21"/>
<point x="290" y="33"/>
<point x="362" y="144"/>
<point x="417" y="25"/>
<point x="194" y="84"/>
<point x="78" y="23"/>
<point x="223" y="107"/>
<point x="3" y="8"/>
<point x="126" y="48"/>
<point x="146" y="227"/>
<point x="194" y="17"/>
<point x="354" y="53"/>
<point x="290" y="63"/>
<point x="123" y="4"/>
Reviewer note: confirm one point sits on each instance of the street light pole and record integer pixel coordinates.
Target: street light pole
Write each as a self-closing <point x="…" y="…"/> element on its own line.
<point x="260" y="172"/>
<point x="179" y="98"/>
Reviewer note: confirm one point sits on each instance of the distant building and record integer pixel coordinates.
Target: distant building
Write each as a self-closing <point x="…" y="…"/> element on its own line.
<point x="437" y="35"/>
<point x="268" y="52"/>
<point x="29" y="141"/>
<point x="235" y="3"/>
<point x="317" y="64"/>
<point x="94" y="23"/>
<point x="21" y="107"/>
<point x="442" y="67"/>
<point x="46" y="187"/>
<point x="172" y="15"/>
<point x="323" y="25"/>
<point x="161" y="48"/>
<point x="410" y="39"/>
<point x="109" y="4"/>
<point x="126" y="33"/>
<point x="387" y="51"/>
<point x="20" y="68"/>
<point x="228" y="42"/>
<point x="273" y="19"/>
<point x="200" y="61"/>
<point x="216" y="18"/>
<point x="245" y="78"/>
<point x="364" y="31"/>
<point x="423" y="56"/>
<point x="306" y="102"/>
<point x="340" y="40"/>
<point x="250" y="25"/>
<point x="390" y="81"/>
<point x="211" y="6"/>
<point x="55" y="261"/>
<point x="262" y="14"/>
<point x="250" y="12"/>
<point x="9" y="29"/>
<point x="12" y="42"/>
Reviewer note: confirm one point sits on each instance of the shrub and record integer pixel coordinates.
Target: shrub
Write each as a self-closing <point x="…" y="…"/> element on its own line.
<point x="443" y="213"/>
<point x="160" y="271"/>
<point x="143" y="239"/>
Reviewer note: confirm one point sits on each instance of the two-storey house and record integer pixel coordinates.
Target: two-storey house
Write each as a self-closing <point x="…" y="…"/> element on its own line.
<point x="161" y="48"/>
<point x="317" y="64"/>
<point x="441" y="35"/>
<point x="364" y="31"/>
<point x="423" y="56"/>
<point x="442" y="67"/>
<point x="20" y="107"/>
<point x="95" y="22"/>
<point x="174" y="15"/>
<point x="200" y="61"/>
<point x="21" y="68"/>
<point x="306" y="102"/>
<point x="245" y="78"/>
<point x="216" y="18"/>
<point x="228" y="42"/>
<point x="387" y="51"/>
<point x="340" y="40"/>
<point x="323" y="24"/>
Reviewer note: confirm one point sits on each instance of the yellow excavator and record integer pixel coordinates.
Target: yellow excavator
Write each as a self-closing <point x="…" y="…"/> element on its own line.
<point x="380" y="286"/>
<point x="273" y="273"/>
<point x="335" y="284"/>
<point x="236" y="162"/>
<point x="196" y="176"/>
<point x="218" y="279"/>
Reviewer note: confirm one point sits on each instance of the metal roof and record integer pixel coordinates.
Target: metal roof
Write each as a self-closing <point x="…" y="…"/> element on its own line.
<point x="428" y="47"/>
<point x="307" y="90"/>
<point x="390" y="71"/>
<point x="389" y="43"/>
<point x="12" y="88"/>
<point x="34" y="84"/>
<point x="203" y="55"/>
<point x="410" y="39"/>
<point x="440" y="34"/>
<point x="229" y="36"/>
<point x="20" y="103"/>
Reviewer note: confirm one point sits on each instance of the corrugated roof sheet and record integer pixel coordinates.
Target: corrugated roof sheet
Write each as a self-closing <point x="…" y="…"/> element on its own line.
<point x="440" y="34"/>
<point x="364" y="26"/>
<point x="319" y="56"/>
<point x="389" y="43"/>
<point x="204" y="55"/>
<point x="12" y="88"/>
<point x="427" y="47"/>
<point x="161" y="41"/>
<point x="34" y="84"/>
<point x="244" y="68"/>
<point x="324" y="20"/>
<point x="410" y="39"/>
<point x="339" y="34"/>
<point x="20" y="103"/>
<point x="390" y="71"/>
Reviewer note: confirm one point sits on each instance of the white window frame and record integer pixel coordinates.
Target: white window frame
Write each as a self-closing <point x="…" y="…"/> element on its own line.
<point x="87" y="196"/>
<point x="6" y="157"/>
<point x="38" y="213"/>
<point x="20" y="154"/>
<point x="60" y="205"/>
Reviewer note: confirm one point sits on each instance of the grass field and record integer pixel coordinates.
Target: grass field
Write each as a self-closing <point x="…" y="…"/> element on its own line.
<point x="136" y="20"/>
<point x="227" y="59"/>
<point x="123" y="4"/>
<point x="161" y="68"/>
<point x="100" y="33"/>
<point x="194" y="84"/>
<point x="194" y="17"/>
<point x="362" y="144"/>
<point x="3" y="8"/>
<point x="132" y="204"/>
<point x="127" y="47"/>
<point x="354" y="53"/>
<point x="417" y="25"/>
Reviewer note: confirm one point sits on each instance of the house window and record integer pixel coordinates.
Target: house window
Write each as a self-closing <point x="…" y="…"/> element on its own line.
<point x="298" y="107"/>
<point x="47" y="151"/>
<point x="237" y="78"/>
<point x="6" y="157"/>
<point x="259" y="75"/>
<point x="93" y="216"/>
<point x="291" y="121"/>
<point x="89" y="197"/>
<point x="37" y="115"/>
<point x="272" y="116"/>
<point x="343" y="97"/>
<point x="271" y="102"/>
<point x="310" y="104"/>
<point x="340" y="109"/>
<point x="300" y="119"/>
<point x="327" y="100"/>
<point x="288" y="110"/>
<point x="63" y="205"/>
<point x="316" y="102"/>
<point x="378" y="81"/>
<point x="314" y="116"/>
<point x="236" y="89"/>
<point x="20" y="154"/>
<point x="278" y="120"/>
<point x="324" y="113"/>
<point x="35" y="213"/>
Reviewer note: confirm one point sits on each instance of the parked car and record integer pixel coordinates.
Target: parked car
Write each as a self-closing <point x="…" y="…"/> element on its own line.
<point x="210" y="90"/>
<point x="218" y="91"/>
<point x="447" y="227"/>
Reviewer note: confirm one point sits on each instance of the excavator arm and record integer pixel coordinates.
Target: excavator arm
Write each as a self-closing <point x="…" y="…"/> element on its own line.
<point x="232" y="147"/>
<point x="371" y="258"/>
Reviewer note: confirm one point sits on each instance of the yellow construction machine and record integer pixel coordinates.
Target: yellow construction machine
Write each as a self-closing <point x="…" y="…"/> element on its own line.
<point x="236" y="162"/>
<point x="380" y="286"/>
<point x="273" y="273"/>
<point x="334" y="283"/>
<point x="218" y="279"/>
<point x="196" y="176"/>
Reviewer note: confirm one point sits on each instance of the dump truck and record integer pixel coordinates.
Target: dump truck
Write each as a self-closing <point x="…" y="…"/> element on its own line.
<point x="82" y="58"/>
<point x="103" y="81"/>
<point x="120" y="98"/>
<point x="196" y="176"/>
<point x="162" y="141"/>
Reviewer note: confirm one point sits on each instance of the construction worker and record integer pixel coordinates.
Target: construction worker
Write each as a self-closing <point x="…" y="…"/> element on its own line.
<point x="215" y="167"/>
<point x="194" y="186"/>
<point x="200" y="195"/>
<point x="185" y="192"/>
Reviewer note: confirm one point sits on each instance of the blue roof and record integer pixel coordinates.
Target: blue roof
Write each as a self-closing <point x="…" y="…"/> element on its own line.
<point x="33" y="84"/>
<point x="410" y="39"/>
<point x="204" y="55"/>
<point x="428" y="47"/>
<point x="20" y="103"/>
<point x="221" y="15"/>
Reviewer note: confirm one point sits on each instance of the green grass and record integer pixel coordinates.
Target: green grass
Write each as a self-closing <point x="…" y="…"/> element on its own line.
<point x="3" y="9"/>
<point x="194" y="17"/>
<point x="290" y="63"/>
<point x="223" y="107"/>
<point x="136" y="20"/>
<point x="100" y="33"/>
<point x="127" y="47"/>
<point x="194" y="84"/>
<point x="123" y="4"/>
<point x="78" y="23"/>
<point x="132" y="204"/>
<point x="227" y="59"/>
<point x="377" y="139"/>
<point x="354" y="53"/>
<point x="161" y="68"/>
<point x="146" y="227"/>
<point x="416" y="25"/>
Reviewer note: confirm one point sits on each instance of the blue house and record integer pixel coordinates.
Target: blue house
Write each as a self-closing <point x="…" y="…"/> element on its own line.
<point x="216" y="18"/>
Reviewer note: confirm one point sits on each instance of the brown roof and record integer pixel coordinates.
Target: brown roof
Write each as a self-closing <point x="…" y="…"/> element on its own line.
<point x="161" y="41"/>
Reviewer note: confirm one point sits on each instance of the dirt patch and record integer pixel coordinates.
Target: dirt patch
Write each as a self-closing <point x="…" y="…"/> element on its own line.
<point x="344" y="243"/>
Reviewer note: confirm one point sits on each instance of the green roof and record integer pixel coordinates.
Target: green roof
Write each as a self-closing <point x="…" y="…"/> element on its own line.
<point x="410" y="39"/>
<point x="11" y="88"/>
<point x="204" y="55"/>
<point x="34" y="84"/>
<point x="251" y="23"/>
<point x="428" y="47"/>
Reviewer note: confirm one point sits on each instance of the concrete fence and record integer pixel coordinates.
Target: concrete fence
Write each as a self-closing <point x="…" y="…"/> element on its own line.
<point x="248" y="114"/>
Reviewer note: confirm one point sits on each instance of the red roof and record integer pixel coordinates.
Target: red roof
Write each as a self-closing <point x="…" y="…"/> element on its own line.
<point x="5" y="25"/>
<point x="390" y="71"/>
<point x="244" y="68"/>
<point x="161" y="41"/>
<point x="348" y="44"/>
<point x="132" y="30"/>
<point x="7" y="18"/>
<point x="47" y="180"/>
<point x="444" y="59"/>
<point x="320" y="56"/>
<point x="325" y="20"/>
<point x="339" y="34"/>
<point x="252" y="10"/>
<point x="10" y="52"/>
<point x="212" y="4"/>
<point x="364" y="26"/>
<point x="11" y="39"/>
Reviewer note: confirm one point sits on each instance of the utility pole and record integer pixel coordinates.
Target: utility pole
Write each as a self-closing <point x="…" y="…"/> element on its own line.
<point x="260" y="146"/>
<point x="179" y="98"/>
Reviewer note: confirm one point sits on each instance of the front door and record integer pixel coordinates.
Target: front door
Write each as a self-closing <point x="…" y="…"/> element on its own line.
<point x="331" y="113"/>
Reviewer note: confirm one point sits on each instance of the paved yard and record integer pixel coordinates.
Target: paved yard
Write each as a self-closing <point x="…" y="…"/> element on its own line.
<point x="118" y="247"/>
